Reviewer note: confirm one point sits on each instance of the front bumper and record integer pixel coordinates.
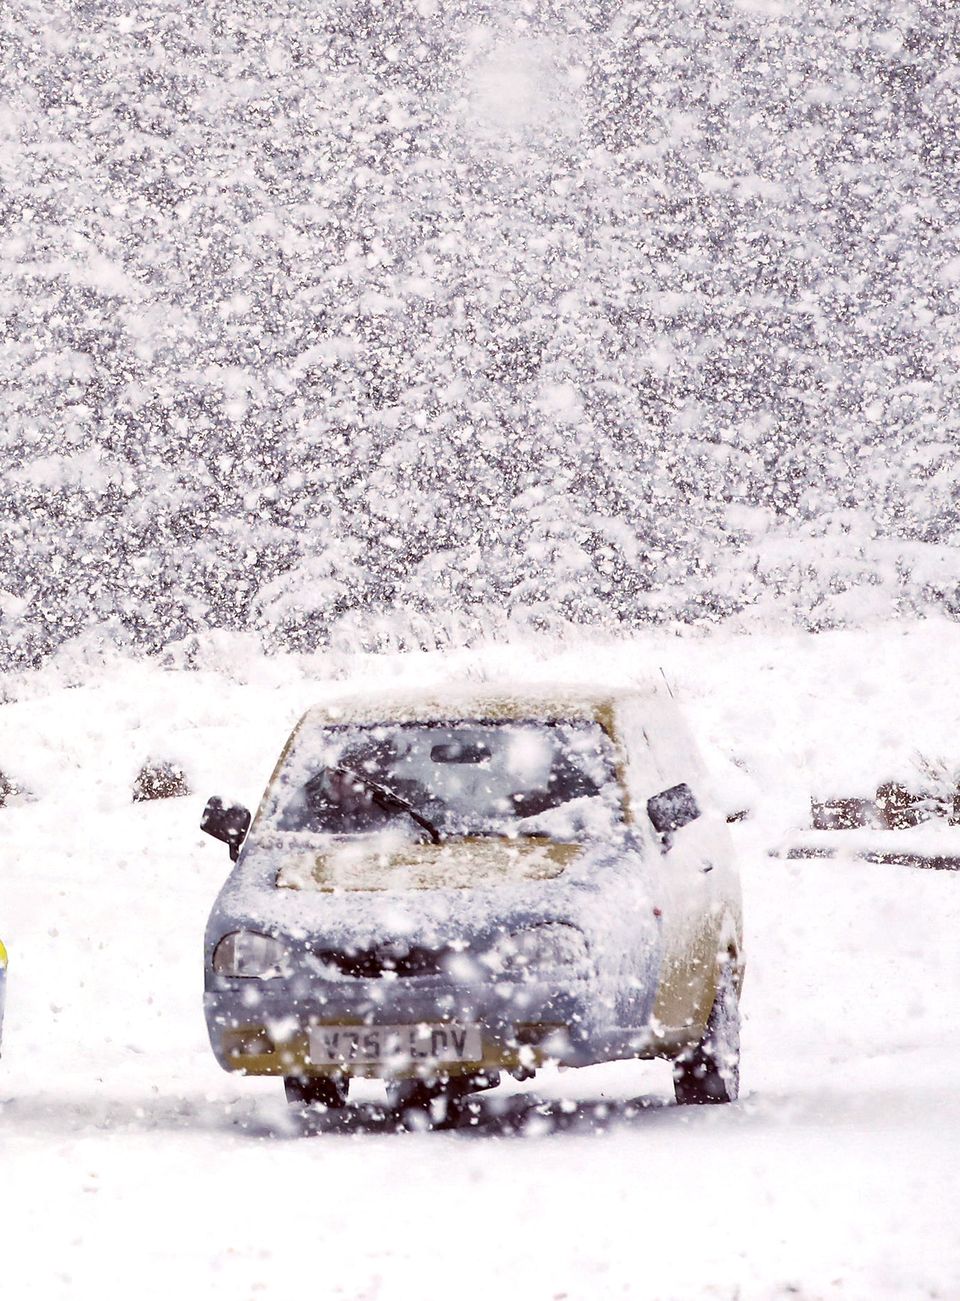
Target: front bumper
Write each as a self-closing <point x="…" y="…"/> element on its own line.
<point x="263" y="1028"/>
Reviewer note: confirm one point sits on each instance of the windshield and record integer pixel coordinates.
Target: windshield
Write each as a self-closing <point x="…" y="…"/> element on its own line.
<point x="517" y="778"/>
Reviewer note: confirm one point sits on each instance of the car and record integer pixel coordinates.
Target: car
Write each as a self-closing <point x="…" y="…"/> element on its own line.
<point x="439" y="887"/>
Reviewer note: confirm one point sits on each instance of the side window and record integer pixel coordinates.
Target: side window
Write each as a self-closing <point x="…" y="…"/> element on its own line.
<point x="672" y="809"/>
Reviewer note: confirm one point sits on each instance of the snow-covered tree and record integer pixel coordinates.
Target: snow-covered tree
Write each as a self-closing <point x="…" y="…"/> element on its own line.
<point x="355" y="319"/>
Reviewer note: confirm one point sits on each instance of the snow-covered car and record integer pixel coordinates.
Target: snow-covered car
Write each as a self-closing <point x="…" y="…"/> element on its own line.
<point x="440" y="888"/>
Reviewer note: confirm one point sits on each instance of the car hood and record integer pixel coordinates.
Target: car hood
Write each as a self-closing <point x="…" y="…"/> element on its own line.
<point x="428" y="893"/>
<point x="371" y="863"/>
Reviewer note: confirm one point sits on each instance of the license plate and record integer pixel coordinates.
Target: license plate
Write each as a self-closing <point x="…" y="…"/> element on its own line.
<point x="398" y="1045"/>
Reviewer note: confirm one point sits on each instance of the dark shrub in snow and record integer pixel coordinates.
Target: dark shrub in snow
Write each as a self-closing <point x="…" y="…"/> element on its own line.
<point x="159" y="781"/>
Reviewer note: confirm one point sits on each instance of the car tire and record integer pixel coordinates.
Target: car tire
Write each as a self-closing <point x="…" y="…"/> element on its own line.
<point x="710" y="1071"/>
<point x="315" y="1090"/>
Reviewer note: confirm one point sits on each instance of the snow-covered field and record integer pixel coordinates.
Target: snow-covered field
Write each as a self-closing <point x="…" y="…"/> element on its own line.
<point x="131" y="1166"/>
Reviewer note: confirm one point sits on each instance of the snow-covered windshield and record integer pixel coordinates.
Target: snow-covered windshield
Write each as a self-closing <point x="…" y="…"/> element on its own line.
<point x="517" y="778"/>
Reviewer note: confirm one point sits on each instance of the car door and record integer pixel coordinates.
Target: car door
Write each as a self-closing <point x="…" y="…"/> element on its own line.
<point x="691" y="848"/>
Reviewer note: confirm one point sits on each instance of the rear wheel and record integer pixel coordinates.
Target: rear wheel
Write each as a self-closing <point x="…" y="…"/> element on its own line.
<point x="315" y="1090"/>
<point x="710" y="1071"/>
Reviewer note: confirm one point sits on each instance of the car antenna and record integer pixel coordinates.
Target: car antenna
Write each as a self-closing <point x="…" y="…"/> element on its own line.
<point x="666" y="681"/>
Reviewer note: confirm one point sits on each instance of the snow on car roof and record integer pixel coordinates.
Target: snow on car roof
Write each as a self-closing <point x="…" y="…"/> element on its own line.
<point x="502" y="702"/>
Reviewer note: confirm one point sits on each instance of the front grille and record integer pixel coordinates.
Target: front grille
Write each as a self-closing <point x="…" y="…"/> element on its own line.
<point x="369" y="964"/>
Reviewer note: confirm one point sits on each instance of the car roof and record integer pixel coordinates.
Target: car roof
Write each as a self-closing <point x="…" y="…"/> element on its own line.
<point x="479" y="702"/>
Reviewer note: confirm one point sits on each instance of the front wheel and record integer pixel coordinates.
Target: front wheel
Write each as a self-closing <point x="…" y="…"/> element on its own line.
<point x="315" y="1090"/>
<point x="710" y="1071"/>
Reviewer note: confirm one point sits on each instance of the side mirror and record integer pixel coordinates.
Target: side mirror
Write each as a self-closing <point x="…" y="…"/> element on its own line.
<point x="671" y="810"/>
<point x="229" y="823"/>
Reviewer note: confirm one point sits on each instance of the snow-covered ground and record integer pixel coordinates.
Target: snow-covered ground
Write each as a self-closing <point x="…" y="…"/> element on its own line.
<point x="131" y="1166"/>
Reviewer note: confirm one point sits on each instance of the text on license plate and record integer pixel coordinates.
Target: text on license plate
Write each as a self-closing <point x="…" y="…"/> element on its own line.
<point x="400" y="1043"/>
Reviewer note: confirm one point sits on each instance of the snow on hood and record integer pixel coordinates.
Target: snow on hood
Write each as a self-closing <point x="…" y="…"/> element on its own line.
<point x="381" y="863"/>
<point x="587" y="885"/>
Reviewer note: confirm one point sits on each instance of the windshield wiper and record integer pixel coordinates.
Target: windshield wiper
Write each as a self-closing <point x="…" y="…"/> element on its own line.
<point x="388" y="800"/>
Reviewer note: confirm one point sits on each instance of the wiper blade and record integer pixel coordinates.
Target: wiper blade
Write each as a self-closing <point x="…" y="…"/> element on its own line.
<point x="387" y="799"/>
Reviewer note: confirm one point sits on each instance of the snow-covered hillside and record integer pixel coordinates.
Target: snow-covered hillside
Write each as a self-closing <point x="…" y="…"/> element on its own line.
<point x="132" y="1165"/>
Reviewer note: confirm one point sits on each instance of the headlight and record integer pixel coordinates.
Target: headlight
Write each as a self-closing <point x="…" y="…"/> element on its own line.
<point x="248" y="953"/>
<point x="548" y="947"/>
